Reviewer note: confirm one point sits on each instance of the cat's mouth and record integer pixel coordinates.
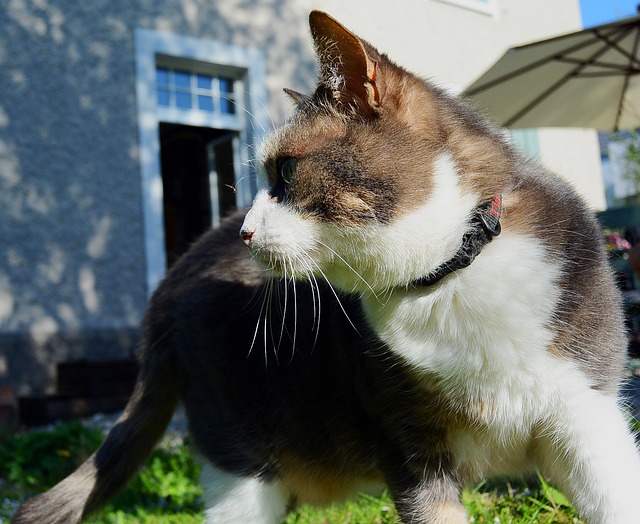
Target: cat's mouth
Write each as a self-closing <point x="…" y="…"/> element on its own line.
<point x="280" y="240"/>
<point x="278" y="266"/>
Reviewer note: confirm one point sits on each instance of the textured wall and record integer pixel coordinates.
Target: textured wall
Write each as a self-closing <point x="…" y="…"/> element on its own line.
<point x="72" y="268"/>
<point x="72" y="279"/>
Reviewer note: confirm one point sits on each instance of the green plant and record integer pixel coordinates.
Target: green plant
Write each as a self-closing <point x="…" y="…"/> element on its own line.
<point x="41" y="458"/>
<point x="166" y="491"/>
<point x="533" y="501"/>
<point x="168" y="482"/>
<point x="35" y="461"/>
<point x="364" y="509"/>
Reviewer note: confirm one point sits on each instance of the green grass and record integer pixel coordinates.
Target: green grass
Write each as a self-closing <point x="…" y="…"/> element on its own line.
<point x="364" y="509"/>
<point x="504" y="502"/>
<point x="166" y="490"/>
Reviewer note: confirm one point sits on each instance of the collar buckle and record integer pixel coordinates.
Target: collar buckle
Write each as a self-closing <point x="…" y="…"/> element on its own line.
<point x="490" y="216"/>
<point x="486" y="226"/>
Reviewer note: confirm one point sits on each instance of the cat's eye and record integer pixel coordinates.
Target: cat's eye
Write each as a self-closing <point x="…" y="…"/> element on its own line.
<point x="287" y="168"/>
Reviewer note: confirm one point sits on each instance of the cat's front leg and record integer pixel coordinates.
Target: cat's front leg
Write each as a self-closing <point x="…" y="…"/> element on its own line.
<point x="426" y="493"/>
<point x="435" y="500"/>
<point x="587" y="450"/>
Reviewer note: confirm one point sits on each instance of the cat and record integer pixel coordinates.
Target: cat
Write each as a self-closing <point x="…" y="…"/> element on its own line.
<point x="442" y="311"/>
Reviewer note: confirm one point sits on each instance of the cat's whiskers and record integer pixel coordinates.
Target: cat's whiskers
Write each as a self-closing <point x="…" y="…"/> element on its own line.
<point x="235" y="186"/>
<point x="158" y="340"/>
<point x="304" y="259"/>
<point x="295" y="308"/>
<point x="333" y="251"/>
<point x="335" y="294"/>
<point x="315" y="295"/>
<point x="267" y="314"/>
<point x="266" y="292"/>
<point x="251" y="157"/>
<point x="253" y="118"/>
<point x="387" y="295"/>
<point x="316" y="318"/>
<point x="286" y="302"/>
<point x="268" y="325"/>
<point x="306" y="270"/>
<point x="266" y="109"/>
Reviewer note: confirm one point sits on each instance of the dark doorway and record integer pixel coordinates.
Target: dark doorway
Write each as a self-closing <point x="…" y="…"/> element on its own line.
<point x="198" y="176"/>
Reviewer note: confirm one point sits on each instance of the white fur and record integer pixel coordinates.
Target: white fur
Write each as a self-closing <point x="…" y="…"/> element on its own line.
<point x="587" y="450"/>
<point x="375" y="257"/>
<point x="484" y="332"/>
<point x="415" y="244"/>
<point x="486" y="342"/>
<point x="280" y="236"/>
<point x="231" y="499"/>
<point x="483" y="329"/>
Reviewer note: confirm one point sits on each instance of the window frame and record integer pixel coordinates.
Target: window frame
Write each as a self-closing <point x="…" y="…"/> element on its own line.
<point x="197" y="117"/>
<point x="251" y="119"/>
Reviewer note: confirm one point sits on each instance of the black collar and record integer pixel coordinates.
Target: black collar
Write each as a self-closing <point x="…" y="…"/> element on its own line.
<point x="485" y="225"/>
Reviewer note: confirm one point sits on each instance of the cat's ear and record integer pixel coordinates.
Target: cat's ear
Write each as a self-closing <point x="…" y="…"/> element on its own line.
<point x="295" y="96"/>
<point x="348" y="66"/>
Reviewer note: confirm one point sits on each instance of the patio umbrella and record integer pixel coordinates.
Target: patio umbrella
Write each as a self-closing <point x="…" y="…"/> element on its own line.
<point x="590" y="79"/>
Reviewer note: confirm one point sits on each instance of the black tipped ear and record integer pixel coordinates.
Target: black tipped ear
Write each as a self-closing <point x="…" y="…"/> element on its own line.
<point x="348" y="65"/>
<point x="297" y="97"/>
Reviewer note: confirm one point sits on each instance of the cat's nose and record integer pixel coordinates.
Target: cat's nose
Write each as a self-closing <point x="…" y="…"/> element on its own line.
<point x="246" y="236"/>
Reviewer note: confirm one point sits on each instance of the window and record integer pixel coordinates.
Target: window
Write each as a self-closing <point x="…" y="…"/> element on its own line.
<point x="201" y="111"/>
<point x="200" y="91"/>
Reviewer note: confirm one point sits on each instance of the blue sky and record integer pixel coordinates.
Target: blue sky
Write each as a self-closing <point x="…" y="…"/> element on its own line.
<point x="595" y="12"/>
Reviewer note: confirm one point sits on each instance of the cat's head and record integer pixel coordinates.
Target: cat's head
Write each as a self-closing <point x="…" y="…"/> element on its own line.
<point x="373" y="181"/>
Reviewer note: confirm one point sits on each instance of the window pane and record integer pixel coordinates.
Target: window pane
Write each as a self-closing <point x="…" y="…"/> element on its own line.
<point x="204" y="82"/>
<point x="226" y="85"/>
<point x="182" y="78"/>
<point x="183" y="100"/>
<point x="205" y="103"/>
<point x="162" y="76"/>
<point x="227" y="106"/>
<point x="196" y="91"/>
<point x="163" y="97"/>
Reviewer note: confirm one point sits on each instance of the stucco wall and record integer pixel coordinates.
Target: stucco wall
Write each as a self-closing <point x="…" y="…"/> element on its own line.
<point x="72" y="267"/>
<point x="72" y="279"/>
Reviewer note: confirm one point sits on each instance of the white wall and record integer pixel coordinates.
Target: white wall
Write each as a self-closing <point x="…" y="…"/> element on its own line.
<point x="446" y="42"/>
<point x="453" y="45"/>
<point x="575" y="153"/>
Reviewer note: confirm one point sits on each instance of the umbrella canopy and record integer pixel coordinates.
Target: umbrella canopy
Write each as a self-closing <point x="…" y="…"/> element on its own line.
<point x="590" y="79"/>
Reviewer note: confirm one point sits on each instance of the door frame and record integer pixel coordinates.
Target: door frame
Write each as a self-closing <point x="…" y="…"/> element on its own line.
<point x="247" y="65"/>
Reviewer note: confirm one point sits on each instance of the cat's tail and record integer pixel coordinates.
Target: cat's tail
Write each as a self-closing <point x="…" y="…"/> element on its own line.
<point x="125" y="448"/>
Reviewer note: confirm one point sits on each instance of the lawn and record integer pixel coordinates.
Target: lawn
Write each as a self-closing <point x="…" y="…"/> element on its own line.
<point x="166" y="490"/>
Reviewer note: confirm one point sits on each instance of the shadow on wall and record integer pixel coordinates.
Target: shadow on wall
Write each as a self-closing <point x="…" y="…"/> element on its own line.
<point x="72" y="268"/>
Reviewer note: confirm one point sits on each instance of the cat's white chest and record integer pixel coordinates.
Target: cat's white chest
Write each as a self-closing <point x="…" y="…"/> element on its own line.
<point x="484" y="332"/>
